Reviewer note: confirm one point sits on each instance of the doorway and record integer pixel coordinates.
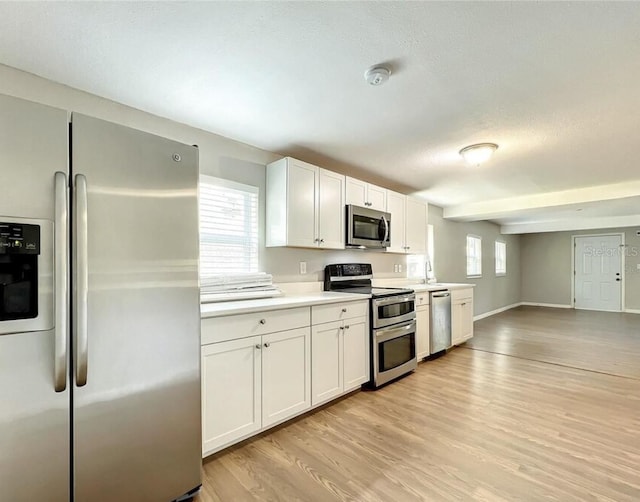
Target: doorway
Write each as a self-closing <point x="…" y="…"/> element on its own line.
<point x="598" y="265"/>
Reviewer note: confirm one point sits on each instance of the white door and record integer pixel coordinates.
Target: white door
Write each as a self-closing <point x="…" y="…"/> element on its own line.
<point x="416" y="240"/>
<point x="230" y="391"/>
<point x="301" y="204"/>
<point x="326" y="364"/>
<point x="356" y="352"/>
<point x="377" y="197"/>
<point x="396" y="207"/>
<point x="286" y="374"/>
<point x="331" y="210"/>
<point x="598" y="272"/>
<point x="356" y="192"/>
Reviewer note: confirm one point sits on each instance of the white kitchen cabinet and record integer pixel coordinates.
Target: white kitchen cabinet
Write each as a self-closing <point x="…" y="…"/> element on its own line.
<point x="423" y="330"/>
<point x="363" y="194"/>
<point x="286" y="375"/>
<point x="253" y="382"/>
<point x="408" y="224"/>
<point x="461" y="315"/>
<point x="305" y="206"/>
<point x="340" y="348"/>
<point x="231" y="391"/>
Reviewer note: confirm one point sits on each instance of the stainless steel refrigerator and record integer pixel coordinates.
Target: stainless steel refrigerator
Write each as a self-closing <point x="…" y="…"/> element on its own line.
<point x="99" y="310"/>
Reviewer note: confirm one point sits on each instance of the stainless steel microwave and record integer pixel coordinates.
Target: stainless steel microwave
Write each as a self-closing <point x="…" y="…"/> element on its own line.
<point x="367" y="228"/>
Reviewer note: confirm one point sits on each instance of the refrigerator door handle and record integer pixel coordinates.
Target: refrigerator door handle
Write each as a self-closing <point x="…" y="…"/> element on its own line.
<point x="81" y="279"/>
<point x="61" y="280"/>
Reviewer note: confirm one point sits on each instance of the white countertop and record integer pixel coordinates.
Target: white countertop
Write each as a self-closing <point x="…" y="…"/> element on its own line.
<point x="437" y="286"/>
<point x="281" y="302"/>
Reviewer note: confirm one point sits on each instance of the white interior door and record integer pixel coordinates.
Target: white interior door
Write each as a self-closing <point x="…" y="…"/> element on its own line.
<point x="598" y="272"/>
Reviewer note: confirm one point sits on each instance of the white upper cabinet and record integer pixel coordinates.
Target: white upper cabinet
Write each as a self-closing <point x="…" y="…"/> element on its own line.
<point x="408" y="224"/>
<point x="416" y="226"/>
<point x="305" y="206"/>
<point x="363" y="194"/>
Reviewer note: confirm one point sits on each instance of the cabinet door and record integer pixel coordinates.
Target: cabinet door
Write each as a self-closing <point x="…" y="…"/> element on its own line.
<point x="286" y="374"/>
<point x="422" y="332"/>
<point x="396" y="206"/>
<point x="326" y="362"/>
<point x="357" y="343"/>
<point x="377" y="197"/>
<point x="466" y="320"/>
<point x="356" y="192"/>
<point x="331" y="210"/>
<point x="230" y="391"/>
<point x="416" y="240"/>
<point x="301" y="204"/>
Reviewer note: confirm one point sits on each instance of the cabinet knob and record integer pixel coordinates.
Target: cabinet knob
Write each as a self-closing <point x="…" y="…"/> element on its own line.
<point x="263" y="321"/>
<point x="258" y="346"/>
<point x="344" y="311"/>
<point x="421" y="298"/>
<point x="267" y="344"/>
<point x="408" y="247"/>
<point x="321" y="240"/>
<point x="346" y="327"/>
<point x="316" y="239"/>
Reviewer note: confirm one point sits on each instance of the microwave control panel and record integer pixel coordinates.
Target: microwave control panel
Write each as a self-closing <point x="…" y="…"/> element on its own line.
<point x="19" y="238"/>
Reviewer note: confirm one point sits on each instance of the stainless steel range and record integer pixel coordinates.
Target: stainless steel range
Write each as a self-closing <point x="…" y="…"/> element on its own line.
<point x="392" y="319"/>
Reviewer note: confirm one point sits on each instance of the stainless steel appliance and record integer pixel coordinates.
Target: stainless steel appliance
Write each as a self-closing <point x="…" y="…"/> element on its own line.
<point x="440" y="321"/>
<point x="392" y="320"/>
<point x="368" y="228"/>
<point x="99" y="311"/>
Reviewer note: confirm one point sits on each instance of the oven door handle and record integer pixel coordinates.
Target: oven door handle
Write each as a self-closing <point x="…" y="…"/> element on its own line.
<point x="384" y="335"/>
<point x="379" y="302"/>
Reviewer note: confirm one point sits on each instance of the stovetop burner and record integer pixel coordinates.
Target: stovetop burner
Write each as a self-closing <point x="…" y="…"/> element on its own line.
<point x="356" y="278"/>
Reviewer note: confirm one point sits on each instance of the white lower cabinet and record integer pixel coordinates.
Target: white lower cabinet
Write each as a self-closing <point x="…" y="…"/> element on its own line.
<point x="461" y="315"/>
<point x="286" y="375"/>
<point x="231" y="391"/>
<point x="423" y="328"/>
<point x="252" y="383"/>
<point x="339" y="351"/>
<point x="253" y="379"/>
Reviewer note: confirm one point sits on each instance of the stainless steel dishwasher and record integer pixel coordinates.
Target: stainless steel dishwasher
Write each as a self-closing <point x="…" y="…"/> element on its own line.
<point x="440" y="317"/>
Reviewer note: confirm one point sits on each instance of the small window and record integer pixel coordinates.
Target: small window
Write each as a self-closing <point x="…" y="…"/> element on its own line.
<point x="474" y="256"/>
<point x="501" y="258"/>
<point x="228" y="227"/>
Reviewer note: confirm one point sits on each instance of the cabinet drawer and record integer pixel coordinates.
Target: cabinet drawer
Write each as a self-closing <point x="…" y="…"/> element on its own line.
<point x="338" y="311"/>
<point x="461" y="294"/>
<point x="422" y="298"/>
<point x="219" y="329"/>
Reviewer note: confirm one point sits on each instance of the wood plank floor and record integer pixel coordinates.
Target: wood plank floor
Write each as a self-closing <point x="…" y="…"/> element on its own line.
<point x="473" y="425"/>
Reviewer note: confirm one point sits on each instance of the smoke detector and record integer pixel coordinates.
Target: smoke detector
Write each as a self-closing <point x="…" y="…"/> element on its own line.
<point x="377" y="75"/>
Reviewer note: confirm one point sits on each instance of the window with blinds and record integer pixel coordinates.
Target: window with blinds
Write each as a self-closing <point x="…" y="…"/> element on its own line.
<point x="228" y="227"/>
<point x="501" y="258"/>
<point x="474" y="256"/>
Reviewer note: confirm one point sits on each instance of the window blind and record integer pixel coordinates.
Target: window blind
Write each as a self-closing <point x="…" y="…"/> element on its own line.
<point x="474" y="255"/>
<point x="501" y="258"/>
<point x="228" y="227"/>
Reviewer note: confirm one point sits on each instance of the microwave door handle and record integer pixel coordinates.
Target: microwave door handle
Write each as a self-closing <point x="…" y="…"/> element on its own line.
<point x="386" y="229"/>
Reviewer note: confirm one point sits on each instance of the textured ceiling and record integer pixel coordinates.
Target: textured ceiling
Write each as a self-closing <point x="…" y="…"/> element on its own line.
<point x="556" y="85"/>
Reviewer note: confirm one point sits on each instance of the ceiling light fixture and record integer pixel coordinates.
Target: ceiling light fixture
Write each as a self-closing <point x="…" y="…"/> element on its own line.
<point x="479" y="153"/>
<point x="377" y="75"/>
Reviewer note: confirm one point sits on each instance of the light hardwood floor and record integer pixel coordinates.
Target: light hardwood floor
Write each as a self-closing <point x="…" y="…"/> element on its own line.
<point x="473" y="425"/>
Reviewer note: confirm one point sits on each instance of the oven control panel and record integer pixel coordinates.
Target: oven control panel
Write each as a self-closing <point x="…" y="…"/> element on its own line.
<point x="19" y="238"/>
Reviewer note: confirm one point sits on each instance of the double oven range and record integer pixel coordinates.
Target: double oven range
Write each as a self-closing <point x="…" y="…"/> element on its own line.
<point x="392" y="318"/>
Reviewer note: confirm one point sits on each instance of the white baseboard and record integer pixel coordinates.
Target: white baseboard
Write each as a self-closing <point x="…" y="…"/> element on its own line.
<point x="496" y="311"/>
<point x="550" y="305"/>
<point x="632" y="311"/>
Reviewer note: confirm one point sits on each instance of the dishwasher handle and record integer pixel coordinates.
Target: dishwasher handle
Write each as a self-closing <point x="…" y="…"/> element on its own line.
<point x="440" y="295"/>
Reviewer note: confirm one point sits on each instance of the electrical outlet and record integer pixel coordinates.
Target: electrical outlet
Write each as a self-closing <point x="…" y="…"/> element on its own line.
<point x="303" y="267"/>
<point x="395" y="268"/>
<point x="400" y="268"/>
<point x="638" y="266"/>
